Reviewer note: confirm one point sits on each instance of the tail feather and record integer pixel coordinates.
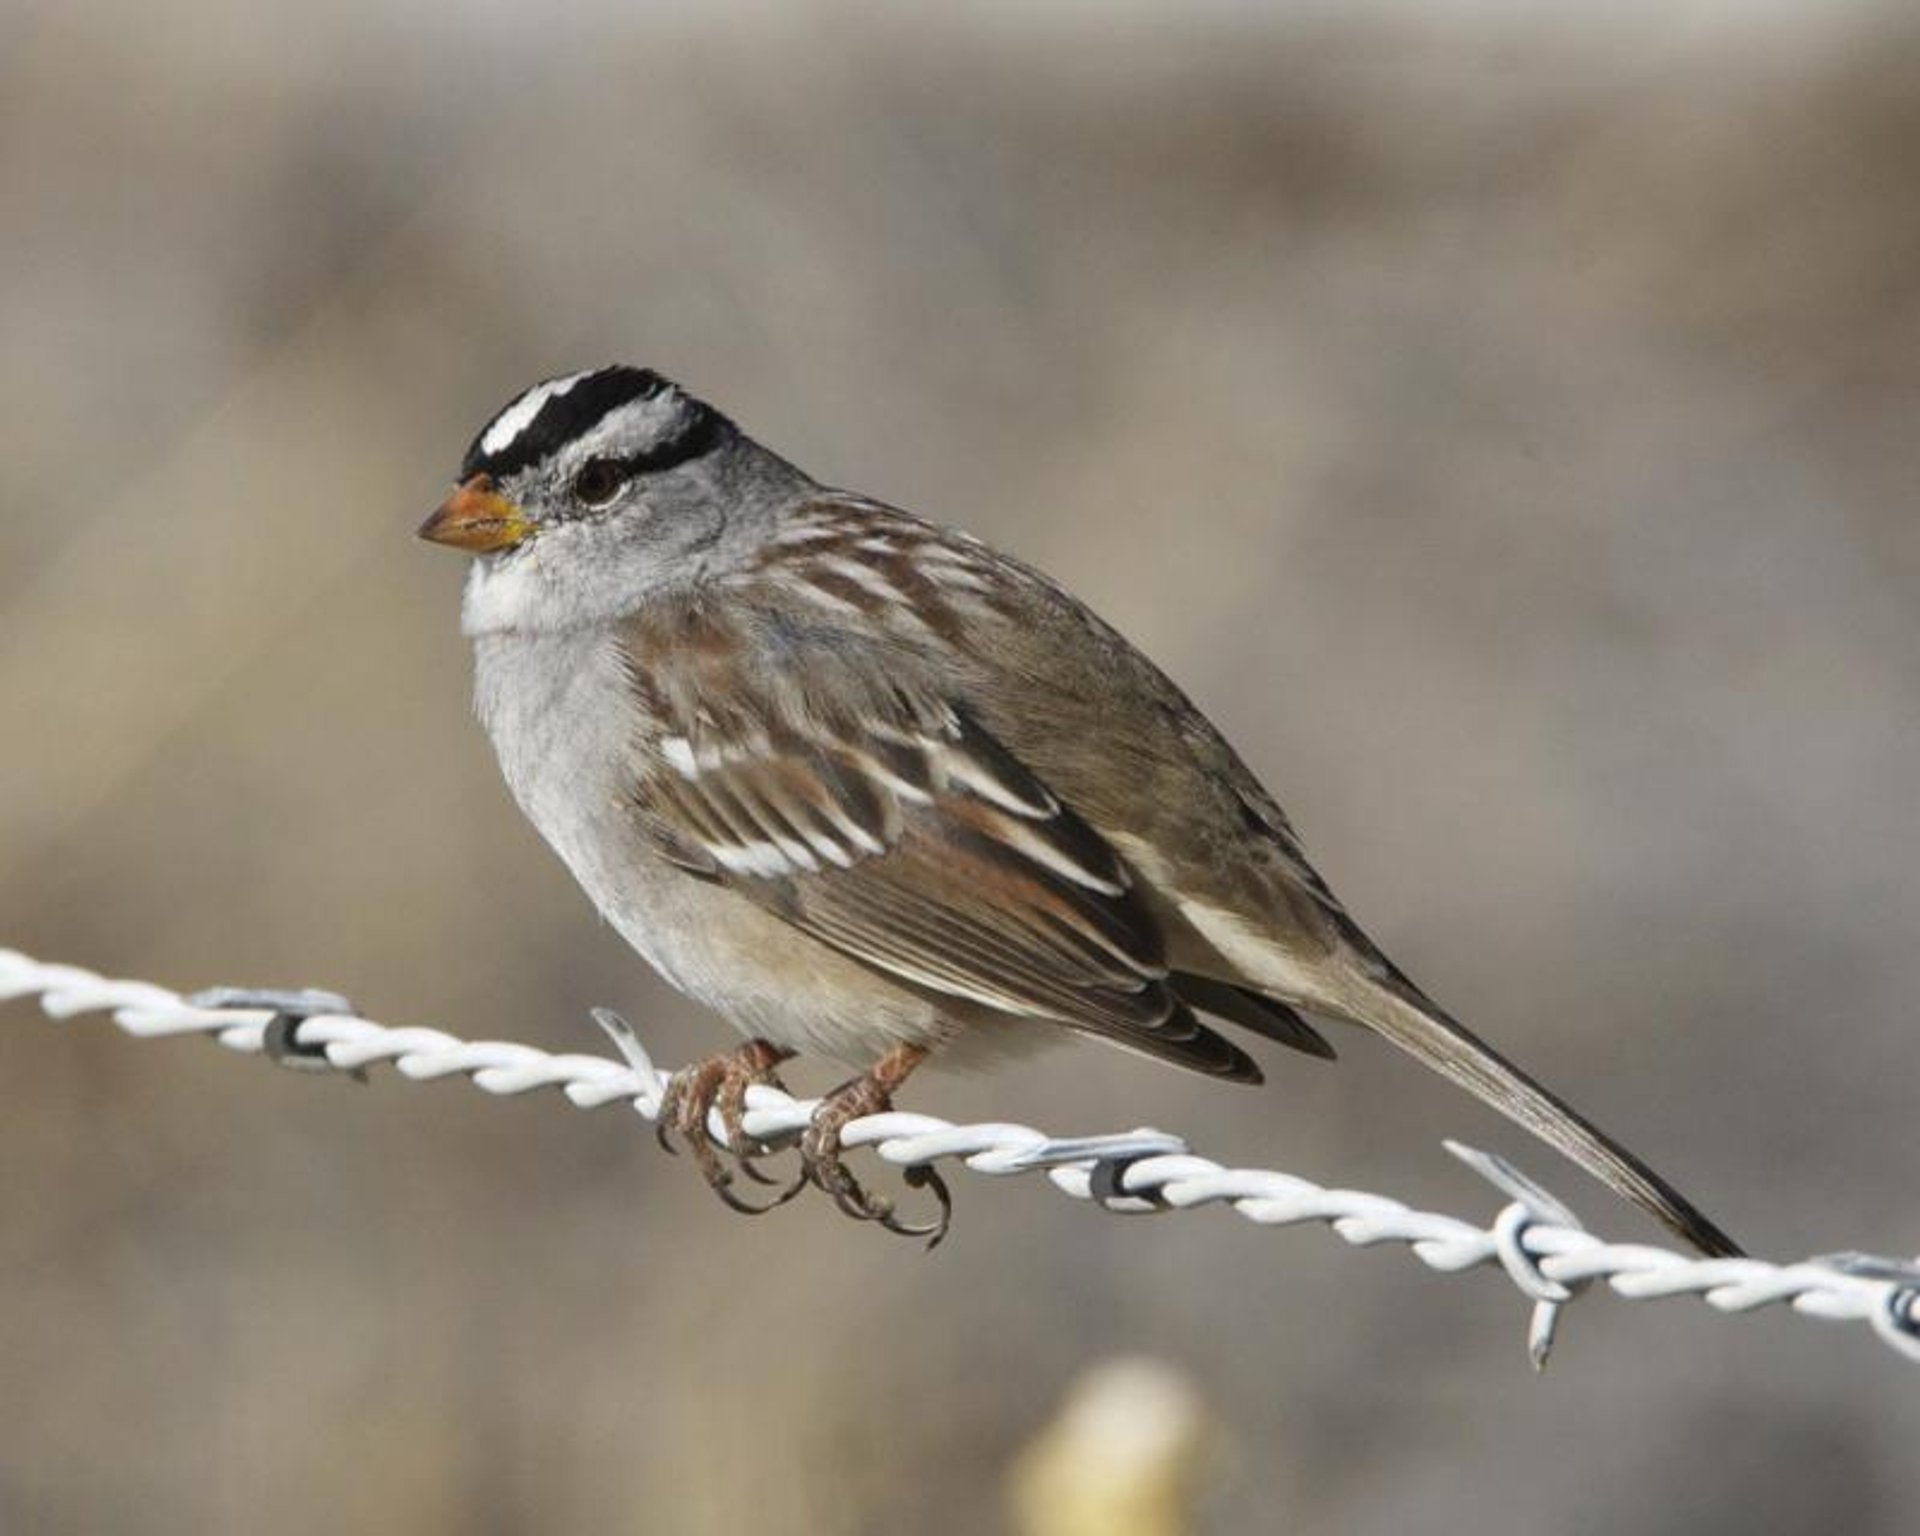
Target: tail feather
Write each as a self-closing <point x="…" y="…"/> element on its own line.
<point x="1420" y="1028"/>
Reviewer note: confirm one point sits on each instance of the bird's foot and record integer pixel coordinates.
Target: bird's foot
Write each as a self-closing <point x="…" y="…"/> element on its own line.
<point x="820" y="1150"/>
<point x="719" y="1084"/>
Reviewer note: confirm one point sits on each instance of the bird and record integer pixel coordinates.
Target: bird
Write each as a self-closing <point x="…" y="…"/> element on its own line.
<point x="875" y="791"/>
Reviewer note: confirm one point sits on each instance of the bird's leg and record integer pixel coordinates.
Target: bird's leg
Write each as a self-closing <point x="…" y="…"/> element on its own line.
<point x="820" y="1149"/>
<point x="721" y="1082"/>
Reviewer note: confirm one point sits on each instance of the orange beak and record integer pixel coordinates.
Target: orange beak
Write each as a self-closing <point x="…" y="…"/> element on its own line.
<point x="477" y="518"/>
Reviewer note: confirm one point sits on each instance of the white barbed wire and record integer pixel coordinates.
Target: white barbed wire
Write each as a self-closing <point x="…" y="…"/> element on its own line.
<point x="1534" y="1240"/>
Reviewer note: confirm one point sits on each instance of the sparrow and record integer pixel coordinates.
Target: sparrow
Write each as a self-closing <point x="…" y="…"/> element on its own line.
<point x="875" y="791"/>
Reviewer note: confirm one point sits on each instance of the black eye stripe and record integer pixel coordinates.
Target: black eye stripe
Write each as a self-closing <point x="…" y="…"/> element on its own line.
<point x="600" y="480"/>
<point x="700" y="434"/>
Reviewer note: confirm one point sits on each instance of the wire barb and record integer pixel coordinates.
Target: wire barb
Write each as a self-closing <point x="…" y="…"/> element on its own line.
<point x="1535" y="1240"/>
<point x="1532" y="1207"/>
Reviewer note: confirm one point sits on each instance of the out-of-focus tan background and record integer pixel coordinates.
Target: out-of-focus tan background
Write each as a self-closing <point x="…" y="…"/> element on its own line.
<point x="1502" y="419"/>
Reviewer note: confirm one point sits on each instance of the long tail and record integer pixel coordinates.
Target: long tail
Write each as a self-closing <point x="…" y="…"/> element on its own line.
<point x="1420" y="1028"/>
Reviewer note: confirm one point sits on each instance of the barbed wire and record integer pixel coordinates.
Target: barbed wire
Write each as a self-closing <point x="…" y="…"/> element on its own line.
<point x="1534" y="1240"/>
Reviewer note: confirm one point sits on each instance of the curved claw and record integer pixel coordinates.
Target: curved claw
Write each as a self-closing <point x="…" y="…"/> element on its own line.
<point x="824" y="1170"/>
<point x="853" y="1199"/>
<point x="750" y="1166"/>
<point x="733" y="1202"/>
<point x="925" y="1176"/>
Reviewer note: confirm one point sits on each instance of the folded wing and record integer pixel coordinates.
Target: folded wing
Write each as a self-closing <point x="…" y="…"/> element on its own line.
<point x="910" y="839"/>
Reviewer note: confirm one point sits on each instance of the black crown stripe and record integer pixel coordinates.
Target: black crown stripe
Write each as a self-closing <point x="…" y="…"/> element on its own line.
<point x="559" y="420"/>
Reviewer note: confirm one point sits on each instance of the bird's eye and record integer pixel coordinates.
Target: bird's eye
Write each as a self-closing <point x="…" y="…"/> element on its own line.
<point x="598" y="482"/>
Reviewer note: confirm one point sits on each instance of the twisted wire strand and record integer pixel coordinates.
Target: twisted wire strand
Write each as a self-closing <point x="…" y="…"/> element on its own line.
<point x="1534" y="1240"/>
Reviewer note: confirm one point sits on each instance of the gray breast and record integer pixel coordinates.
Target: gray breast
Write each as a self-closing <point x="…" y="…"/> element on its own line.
<point x="557" y="709"/>
<point x="562" y="720"/>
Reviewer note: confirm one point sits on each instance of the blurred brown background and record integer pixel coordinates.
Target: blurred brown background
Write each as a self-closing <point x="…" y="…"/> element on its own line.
<point x="1504" y="425"/>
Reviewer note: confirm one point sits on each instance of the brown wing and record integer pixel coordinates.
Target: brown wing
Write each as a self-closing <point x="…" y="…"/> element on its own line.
<point x="910" y="839"/>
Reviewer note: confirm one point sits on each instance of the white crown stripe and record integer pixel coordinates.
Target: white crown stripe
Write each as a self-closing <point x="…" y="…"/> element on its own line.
<point x="517" y="417"/>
